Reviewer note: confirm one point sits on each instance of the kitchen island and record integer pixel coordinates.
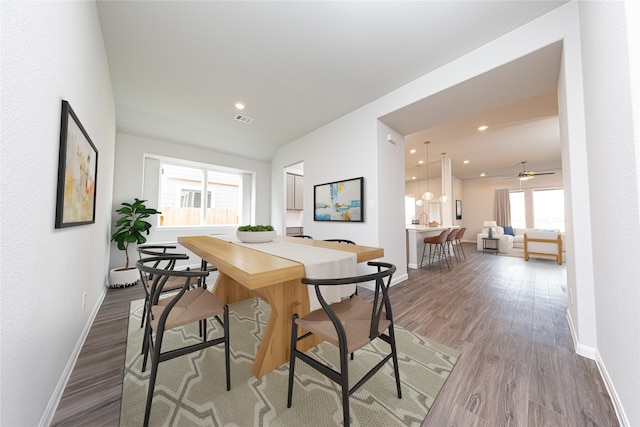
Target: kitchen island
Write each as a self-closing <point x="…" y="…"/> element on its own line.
<point x="415" y="241"/>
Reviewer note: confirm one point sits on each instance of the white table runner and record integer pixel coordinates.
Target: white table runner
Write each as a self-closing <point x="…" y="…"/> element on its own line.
<point x="319" y="263"/>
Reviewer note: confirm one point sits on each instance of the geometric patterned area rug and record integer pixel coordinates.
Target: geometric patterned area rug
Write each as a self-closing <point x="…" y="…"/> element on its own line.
<point x="191" y="389"/>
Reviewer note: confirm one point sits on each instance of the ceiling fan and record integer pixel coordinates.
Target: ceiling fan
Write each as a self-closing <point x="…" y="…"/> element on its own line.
<point x="525" y="175"/>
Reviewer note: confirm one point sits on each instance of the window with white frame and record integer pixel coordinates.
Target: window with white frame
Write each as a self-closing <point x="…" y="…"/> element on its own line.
<point x="182" y="186"/>
<point x="548" y="209"/>
<point x="517" y="207"/>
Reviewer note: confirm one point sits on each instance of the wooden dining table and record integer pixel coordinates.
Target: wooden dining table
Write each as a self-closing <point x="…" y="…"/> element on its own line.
<point x="245" y="272"/>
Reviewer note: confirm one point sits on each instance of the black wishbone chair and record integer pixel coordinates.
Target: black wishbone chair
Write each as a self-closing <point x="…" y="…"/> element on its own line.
<point x="348" y="242"/>
<point x="349" y="324"/>
<point x="187" y="305"/>
<point x="157" y="250"/>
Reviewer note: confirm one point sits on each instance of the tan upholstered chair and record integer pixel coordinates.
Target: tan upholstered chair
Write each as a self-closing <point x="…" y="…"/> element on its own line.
<point x="350" y="325"/>
<point x="188" y="305"/>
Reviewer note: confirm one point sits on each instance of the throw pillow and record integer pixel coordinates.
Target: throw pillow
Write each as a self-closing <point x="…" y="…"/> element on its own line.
<point x="508" y="230"/>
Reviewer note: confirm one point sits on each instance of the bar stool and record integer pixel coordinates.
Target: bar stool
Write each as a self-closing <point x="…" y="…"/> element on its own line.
<point x="451" y="237"/>
<point x="459" y="241"/>
<point x="437" y="245"/>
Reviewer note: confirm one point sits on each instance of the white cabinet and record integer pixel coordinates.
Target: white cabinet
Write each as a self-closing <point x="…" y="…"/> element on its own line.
<point x="295" y="192"/>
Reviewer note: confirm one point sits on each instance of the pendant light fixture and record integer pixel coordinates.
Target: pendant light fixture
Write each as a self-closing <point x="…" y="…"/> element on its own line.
<point x="419" y="202"/>
<point x="444" y="197"/>
<point x="428" y="195"/>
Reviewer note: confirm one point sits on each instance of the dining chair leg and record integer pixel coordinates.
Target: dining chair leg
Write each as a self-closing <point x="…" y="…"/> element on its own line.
<point x="145" y="345"/>
<point x="462" y="249"/>
<point x="455" y="252"/>
<point x="227" y="360"/>
<point x="292" y="358"/>
<point x="155" y="361"/>
<point x="438" y="252"/>
<point x="433" y="251"/>
<point x="449" y="262"/>
<point x="145" y="306"/>
<point x="394" y="352"/>
<point x="452" y="250"/>
<point x="457" y="246"/>
<point x="444" y="255"/>
<point x="344" y="382"/>
<point x="145" y="337"/>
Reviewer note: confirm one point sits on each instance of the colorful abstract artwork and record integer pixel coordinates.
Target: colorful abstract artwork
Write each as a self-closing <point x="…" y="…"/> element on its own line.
<point x="339" y="201"/>
<point x="77" y="172"/>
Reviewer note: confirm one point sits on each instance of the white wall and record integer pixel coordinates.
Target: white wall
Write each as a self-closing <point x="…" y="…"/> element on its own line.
<point x="613" y="151"/>
<point x="50" y="51"/>
<point x="390" y="199"/>
<point x="348" y="148"/>
<point x="128" y="179"/>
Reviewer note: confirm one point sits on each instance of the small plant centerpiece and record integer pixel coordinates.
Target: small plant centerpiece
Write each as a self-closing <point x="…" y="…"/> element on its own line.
<point x="255" y="233"/>
<point x="131" y="228"/>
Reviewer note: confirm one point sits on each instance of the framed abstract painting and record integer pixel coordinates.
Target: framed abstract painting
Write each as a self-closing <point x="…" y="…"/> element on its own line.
<point x="77" y="173"/>
<point x="339" y="201"/>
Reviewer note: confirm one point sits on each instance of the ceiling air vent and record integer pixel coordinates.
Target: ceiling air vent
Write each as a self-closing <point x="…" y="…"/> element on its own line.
<point x="244" y="119"/>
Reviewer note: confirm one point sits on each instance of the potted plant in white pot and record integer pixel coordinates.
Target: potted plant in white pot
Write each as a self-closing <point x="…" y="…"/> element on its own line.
<point x="131" y="227"/>
<point x="255" y="233"/>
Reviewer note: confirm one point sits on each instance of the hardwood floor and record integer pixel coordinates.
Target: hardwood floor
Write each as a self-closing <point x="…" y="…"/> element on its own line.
<point x="507" y="317"/>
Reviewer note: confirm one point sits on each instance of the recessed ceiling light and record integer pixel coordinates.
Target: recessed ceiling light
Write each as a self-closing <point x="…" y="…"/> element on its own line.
<point x="420" y="162"/>
<point x="483" y="174"/>
<point x="483" y="127"/>
<point x="466" y="162"/>
<point x="413" y="177"/>
<point x="412" y="151"/>
<point x="239" y="105"/>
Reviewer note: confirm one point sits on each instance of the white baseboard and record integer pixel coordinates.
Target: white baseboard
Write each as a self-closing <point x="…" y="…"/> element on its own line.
<point x="617" y="405"/>
<point x="581" y="349"/>
<point x="593" y="354"/>
<point x="50" y="411"/>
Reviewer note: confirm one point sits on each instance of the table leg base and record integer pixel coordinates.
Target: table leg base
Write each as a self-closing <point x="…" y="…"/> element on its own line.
<point x="275" y="346"/>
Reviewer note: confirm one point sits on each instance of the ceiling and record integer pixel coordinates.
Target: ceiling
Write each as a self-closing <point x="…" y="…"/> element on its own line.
<point x="517" y="101"/>
<point x="178" y="68"/>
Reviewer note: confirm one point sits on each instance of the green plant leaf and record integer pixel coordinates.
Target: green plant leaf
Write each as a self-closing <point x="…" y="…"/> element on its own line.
<point x="130" y="226"/>
<point x="255" y="228"/>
